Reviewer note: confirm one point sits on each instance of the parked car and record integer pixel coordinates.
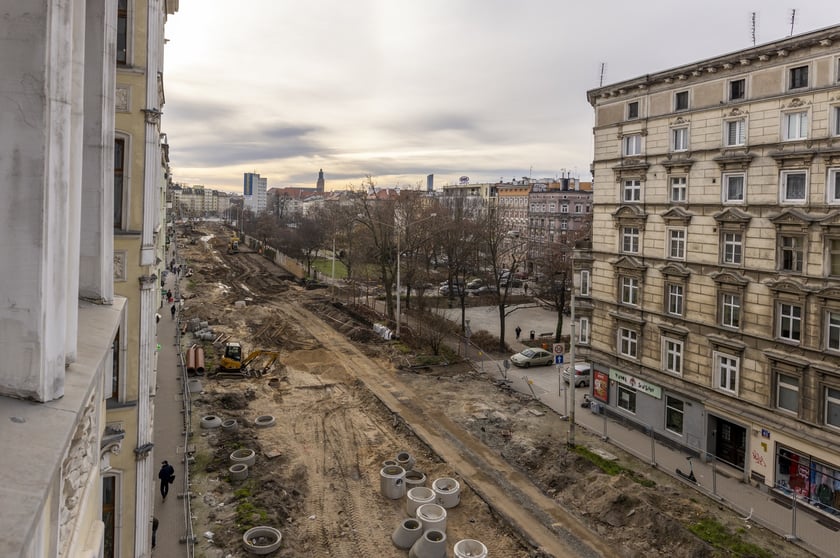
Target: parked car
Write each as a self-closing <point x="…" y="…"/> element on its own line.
<point x="483" y="290"/>
<point x="457" y="289"/>
<point x="583" y="372"/>
<point x="475" y="284"/>
<point x="532" y="357"/>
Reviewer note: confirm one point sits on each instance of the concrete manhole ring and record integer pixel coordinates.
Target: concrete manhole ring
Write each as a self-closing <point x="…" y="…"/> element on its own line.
<point x="246" y="456"/>
<point x="211" y="421"/>
<point x="238" y="472"/>
<point x="262" y="540"/>
<point x="229" y="424"/>
<point x="264" y="421"/>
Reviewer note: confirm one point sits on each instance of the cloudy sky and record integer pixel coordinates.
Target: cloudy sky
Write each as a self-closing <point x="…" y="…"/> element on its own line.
<point x="398" y="89"/>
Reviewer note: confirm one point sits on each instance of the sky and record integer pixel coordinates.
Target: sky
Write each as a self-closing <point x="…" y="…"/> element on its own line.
<point x="395" y="90"/>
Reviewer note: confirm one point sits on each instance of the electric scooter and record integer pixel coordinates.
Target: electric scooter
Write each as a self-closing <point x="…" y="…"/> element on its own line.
<point x="690" y="475"/>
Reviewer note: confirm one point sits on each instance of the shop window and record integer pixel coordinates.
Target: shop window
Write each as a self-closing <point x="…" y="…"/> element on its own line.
<point x="813" y="482"/>
<point x="627" y="398"/>
<point x="674" y="414"/>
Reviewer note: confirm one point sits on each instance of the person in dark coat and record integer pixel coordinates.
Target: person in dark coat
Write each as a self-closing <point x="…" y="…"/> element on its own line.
<point x="166" y="476"/>
<point x="172" y="310"/>
<point x="155" y="524"/>
<point x="518" y="331"/>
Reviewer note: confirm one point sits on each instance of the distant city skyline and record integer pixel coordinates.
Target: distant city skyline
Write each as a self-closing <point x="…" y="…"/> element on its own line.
<point x="486" y="89"/>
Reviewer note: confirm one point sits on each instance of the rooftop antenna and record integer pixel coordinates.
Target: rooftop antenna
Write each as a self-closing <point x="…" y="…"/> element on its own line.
<point x="602" y="72"/>
<point x="752" y="27"/>
<point x="792" y="20"/>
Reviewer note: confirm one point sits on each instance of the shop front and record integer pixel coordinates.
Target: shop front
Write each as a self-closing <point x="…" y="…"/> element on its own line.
<point x="810" y="478"/>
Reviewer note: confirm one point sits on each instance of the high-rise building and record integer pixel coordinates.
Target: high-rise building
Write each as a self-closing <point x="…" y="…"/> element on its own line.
<point x="710" y="305"/>
<point x="254" y="191"/>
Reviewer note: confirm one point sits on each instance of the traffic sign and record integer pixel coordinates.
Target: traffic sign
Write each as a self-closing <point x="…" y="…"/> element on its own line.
<point x="558" y="359"/>
<point x="559" y="349"/>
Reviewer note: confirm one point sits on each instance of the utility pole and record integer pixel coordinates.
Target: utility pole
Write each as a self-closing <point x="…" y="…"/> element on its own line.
<point x="572" y="372"/>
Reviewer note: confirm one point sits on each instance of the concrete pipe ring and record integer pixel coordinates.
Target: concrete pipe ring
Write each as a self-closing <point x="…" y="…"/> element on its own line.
<point x="414" y="478"/>
<point x="392" y="482"/>
<point x="416" y="497"/>
<point x="211" y="421"/>
<point x="229" y="424"/>
<point x="246" y="456"/>
<point x="262" y="540"/>
<point x="432" y="516"/>
<point x="265" y="421"/>
<point x="238" y="472"/>
<point x="431" y="544"/>
<point x="407" y="533"/>
<point x="405" y="460"/>
<point x="448" y="492"/>
<point x="470" y="548"/>
<point x="389" y="463"/>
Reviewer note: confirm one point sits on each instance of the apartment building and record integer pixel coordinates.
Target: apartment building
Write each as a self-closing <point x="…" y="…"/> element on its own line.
<point x="254" y="189"/>
<point x="199" y="202"/>
<point x="558" y="214"/>
<point x="713" y="284"/>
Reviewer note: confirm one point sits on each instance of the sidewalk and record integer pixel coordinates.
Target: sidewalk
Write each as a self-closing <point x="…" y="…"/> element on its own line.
<point x="169" y="436"/>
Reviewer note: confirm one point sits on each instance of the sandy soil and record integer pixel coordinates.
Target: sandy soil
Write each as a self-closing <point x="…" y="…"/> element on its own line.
<point x="341" y="408"/>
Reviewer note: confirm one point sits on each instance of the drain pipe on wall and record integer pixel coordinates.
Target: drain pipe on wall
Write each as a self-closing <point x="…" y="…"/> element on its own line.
<point x="572" y="370"/>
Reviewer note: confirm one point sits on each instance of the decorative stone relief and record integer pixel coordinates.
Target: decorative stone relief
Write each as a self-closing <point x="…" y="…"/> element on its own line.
<point x="120" y="265"/>
<point x="76" y="467"/>
<point x="122" y="99"/>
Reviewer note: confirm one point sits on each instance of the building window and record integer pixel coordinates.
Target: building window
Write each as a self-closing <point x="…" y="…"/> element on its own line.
<point x="726" y="372"/>
<point x="628" y="342"/>
<point x="730" y="310"/>
<point x="632" y="191"/>
<point x="564" y="208"/>
<point x="835" y="121"/>
<point x="678" y="189"/>
<point x="798" y="77"/>
<point x="632" y="145"/>
<point x="584" y="331"/>
<point x="732" y="248"/>
<point x="832" y="246"/>
<point x="832" y="324"/>
<point x="630" y="290"/>
<point x="733" y="188"/>
<point x="627" y="398"/>
<point x="119" y="184"/>
<point x="674" y="414"/>
<point x="564" y="224"/>
<point x="115" y="368"/>
<point x="578" y="208"/>
<point x="792" y="253"/>
<point x="833" y="186"/>
<point x="672" y="356"/>
<point x="584" y="282"/>
<point x="681" y="100"/>
<point x="736" y="132"/>
<point x="675" y="299"/>
<point x="679" y="139"/>
<point x="794" y="186"/>
<point x="109" y="515"/>
<point x="787" y="393"/>
<point x="832" y="407"/>
<point x="676" y="244"/>
<point x="795" y="125"/>
<point x="737" y="89"/>
<point x="790" y="322"/>
<point x="122" y="32"/>
<point x="632" y="110"/>
<point x="630" y="240"/>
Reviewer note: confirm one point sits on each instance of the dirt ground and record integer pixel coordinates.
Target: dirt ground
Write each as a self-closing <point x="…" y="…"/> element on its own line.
<point x="341" y="407"/>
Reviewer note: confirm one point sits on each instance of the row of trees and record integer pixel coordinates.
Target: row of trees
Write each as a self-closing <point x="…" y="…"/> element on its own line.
<point x="440" y="239"/>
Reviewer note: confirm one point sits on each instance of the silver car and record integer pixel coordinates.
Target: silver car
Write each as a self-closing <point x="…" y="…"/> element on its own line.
<point x="582" y="374"/>
<point x="532" y="357"/>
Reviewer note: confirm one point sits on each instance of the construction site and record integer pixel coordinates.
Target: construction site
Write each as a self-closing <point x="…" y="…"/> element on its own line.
<point x="303" y="417"/>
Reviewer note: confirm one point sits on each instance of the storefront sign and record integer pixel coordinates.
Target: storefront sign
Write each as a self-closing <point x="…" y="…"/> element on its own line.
<point x="601" y="386"/>
<point x="636" y="383"/>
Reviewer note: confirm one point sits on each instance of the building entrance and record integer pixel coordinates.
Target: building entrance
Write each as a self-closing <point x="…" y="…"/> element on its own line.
<point x="729" y="442"/>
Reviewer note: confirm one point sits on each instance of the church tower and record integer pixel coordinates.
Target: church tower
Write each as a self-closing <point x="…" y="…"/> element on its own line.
<point x="320" y="185"/>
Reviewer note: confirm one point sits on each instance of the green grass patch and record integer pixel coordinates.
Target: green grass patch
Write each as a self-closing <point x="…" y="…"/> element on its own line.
<point x="714" y="533"/>
<point x="200" y="462"/>
<point x="324" y="267"/>
<point x="248" y="515"/>
<point x="613" y="468"/>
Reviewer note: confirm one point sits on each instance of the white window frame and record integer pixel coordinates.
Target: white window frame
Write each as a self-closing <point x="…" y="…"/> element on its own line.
<point x="675" y="299"/>
<point x="679" y="139"/>
<point x="670" y="407"/>
<point x="631" y="236"/>
<point x="792" y="388"/>
<point x="676" y="243"/>
<point x="564" y="208"/>
<point x="797" y="262"/>
<point x="727" y="370"/>
<point x="631" y="398"/>
<point x="673" y="352"/>
<point x="632" y="145"/>
<point x="832" y="186"/>
<point x="831" y="400"/>
<point x="585" y="282"/>
<point x="679" y="189"/>
<point x="631" y="191"/>
<point x="740" y="132"/>
<point x="832" y="331"/>
<point x="835" y="120"/>
<point x="790" y="319"/>
<point x="628" y="339"/>
<point x="583" y="331"/>
<point x="732" y="248"/>
<point x="832" y="253"/>
<point x="730" y="306"/>
<point x="630" y="290"/>
<point x="784" y="178"/>
<point x="725" y="187"/>
<point x="795" y="125"/>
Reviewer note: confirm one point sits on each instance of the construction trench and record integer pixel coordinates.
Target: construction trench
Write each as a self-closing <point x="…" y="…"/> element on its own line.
<point x="312" y="436"/>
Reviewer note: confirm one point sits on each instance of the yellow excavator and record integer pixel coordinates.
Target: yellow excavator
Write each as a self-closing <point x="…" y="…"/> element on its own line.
<point x="233" y="363"/>
<point x="233" y="245"/>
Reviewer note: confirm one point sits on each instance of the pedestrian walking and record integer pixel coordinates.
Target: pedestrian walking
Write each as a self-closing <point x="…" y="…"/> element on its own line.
<point x="167" y="477"/>
<point x="172" y="310"/>
<point x="518" y="331"/>
<point x="154" y="530"/>
<point x="169" y="294"/>
<point x="525" y="286"/>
